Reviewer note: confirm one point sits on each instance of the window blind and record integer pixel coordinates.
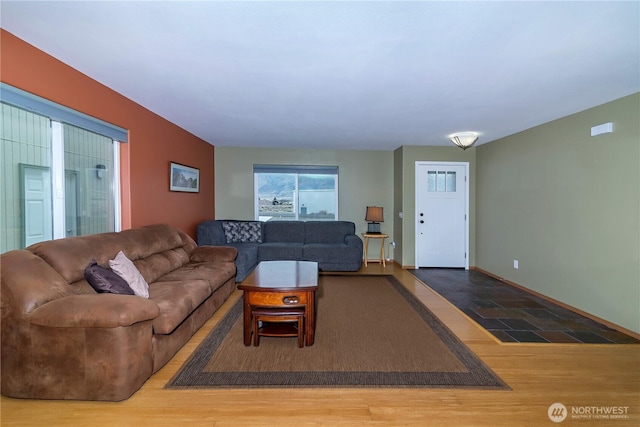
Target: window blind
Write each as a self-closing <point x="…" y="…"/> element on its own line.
<point x="300" y="169"/>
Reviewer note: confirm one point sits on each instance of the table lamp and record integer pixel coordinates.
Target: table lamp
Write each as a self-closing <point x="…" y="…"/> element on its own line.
<point x="374" y="216"/>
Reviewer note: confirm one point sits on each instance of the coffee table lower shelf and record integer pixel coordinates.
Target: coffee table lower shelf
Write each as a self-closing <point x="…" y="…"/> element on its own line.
<point x="278" y="329"/>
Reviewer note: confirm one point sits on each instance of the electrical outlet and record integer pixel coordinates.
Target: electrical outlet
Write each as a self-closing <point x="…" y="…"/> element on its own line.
<point x="516" y="264"/>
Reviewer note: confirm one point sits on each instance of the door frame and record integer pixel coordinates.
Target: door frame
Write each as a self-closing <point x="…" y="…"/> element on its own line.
<point x="76" y="194"/>
<point x="466" y="203"/>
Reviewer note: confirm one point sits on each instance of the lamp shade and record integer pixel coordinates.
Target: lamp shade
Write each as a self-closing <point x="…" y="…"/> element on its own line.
<point x="374" y="214"/>
<point x="464" y="140"/>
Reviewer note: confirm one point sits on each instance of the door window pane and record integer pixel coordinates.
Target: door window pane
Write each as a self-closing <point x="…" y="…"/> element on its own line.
<point x="451" y="182"/>
<point x="441" y="181"/>
<point x="431" y="181"/>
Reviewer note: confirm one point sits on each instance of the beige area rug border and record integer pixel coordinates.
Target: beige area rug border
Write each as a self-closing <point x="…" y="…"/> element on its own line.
<point x="193" y="374"/>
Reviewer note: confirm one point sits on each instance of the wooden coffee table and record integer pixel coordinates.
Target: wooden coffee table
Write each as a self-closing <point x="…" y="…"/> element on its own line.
<point x="282" y="284"/>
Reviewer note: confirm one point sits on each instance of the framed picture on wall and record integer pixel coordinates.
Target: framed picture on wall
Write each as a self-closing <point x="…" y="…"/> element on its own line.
<point x="184" y="178"/>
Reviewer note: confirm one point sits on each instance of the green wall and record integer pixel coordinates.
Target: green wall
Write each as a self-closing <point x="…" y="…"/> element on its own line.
<point x="365" y="178"/>
<point x="567" y="206"/>
<point x="407" y="156"/>
<point x="564" y="204"/>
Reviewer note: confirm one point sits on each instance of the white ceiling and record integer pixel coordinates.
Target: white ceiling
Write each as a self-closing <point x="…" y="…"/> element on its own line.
<point x="345" y="75"/>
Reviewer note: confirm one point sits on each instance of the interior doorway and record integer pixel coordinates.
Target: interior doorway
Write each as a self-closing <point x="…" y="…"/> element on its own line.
<point x="35" y="183"/>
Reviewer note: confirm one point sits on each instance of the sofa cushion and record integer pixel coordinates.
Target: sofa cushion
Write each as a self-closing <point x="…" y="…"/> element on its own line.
<point x="328" y="231"/>
<point x="176" y="301"/>
<point x="215" y="274"/>
<point x="214" y="253"/>
<point x="331" y="253"/>
<point x="283" y="231"/>
<point x="104" y="280"/>
<point x="159" y="264"/>
<point x="152" y="239"/>
<point x="279" y="251"/>
<point x="124" y="268"/>
<point x="242" y="231"/>
<point x="70" y="256"/>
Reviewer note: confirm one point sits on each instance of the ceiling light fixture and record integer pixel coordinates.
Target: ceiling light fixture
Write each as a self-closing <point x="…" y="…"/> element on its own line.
<point x="464" y="140"/>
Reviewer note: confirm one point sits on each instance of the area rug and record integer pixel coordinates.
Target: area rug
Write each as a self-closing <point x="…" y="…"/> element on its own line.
<point x="370" y="332"/>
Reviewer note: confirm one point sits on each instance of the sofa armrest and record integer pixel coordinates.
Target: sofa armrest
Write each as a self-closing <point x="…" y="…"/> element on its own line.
<point x="214" y="253"/>
<point x="353" y="240"/>
<point x="94" y="311"/>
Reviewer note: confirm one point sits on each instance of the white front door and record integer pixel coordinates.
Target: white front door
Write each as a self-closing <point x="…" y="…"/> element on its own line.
<point x="442" y="214"/>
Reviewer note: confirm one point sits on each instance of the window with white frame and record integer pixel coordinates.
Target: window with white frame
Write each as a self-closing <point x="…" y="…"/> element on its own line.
<point x="303" y="193"/>
<point x="60" y="172"/>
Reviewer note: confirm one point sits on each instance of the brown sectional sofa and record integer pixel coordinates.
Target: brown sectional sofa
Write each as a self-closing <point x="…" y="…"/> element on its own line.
<point x="62" y="340"/>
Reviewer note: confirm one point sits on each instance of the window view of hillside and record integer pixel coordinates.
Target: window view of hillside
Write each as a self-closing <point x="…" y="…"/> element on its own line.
<point x="296" y="196"/>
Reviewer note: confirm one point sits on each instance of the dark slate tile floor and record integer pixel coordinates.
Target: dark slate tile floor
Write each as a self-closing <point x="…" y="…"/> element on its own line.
<point x="514" y="315"/>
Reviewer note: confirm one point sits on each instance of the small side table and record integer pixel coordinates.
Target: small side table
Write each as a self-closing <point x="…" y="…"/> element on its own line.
<point x="368" y="236"/>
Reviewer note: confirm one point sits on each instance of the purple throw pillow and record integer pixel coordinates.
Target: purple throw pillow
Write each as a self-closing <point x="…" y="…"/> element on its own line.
<point x="104" y="280"/>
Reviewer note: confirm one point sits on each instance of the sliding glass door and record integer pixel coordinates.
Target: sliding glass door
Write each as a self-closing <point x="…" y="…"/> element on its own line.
<point x="58" y="180"/>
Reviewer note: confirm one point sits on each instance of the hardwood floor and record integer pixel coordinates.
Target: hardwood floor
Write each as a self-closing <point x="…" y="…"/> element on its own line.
<point x="595" y="378"/>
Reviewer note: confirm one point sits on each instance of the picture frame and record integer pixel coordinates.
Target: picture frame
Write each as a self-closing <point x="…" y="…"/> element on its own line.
<point x="184" y="178"/>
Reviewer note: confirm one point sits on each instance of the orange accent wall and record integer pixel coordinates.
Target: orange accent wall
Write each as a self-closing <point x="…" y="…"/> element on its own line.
<point x="153" y="141"/>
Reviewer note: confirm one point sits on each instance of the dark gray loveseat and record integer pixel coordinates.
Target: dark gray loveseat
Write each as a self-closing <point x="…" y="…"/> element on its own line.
<point x="332" y="244"/>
